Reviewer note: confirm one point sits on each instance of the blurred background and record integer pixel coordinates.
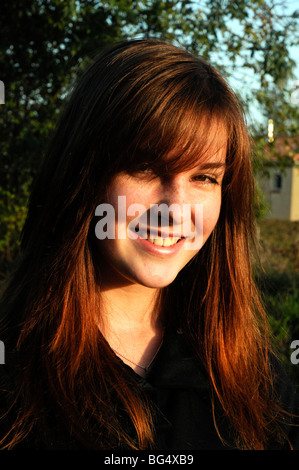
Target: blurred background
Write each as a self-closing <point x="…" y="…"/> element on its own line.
<point x="254" y="43"/>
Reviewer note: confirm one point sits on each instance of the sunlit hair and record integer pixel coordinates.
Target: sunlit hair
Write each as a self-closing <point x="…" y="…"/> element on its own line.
<point x="136" y="103"/>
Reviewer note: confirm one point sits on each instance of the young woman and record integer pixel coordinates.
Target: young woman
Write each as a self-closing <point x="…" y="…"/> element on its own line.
<point x="126" y="328"/>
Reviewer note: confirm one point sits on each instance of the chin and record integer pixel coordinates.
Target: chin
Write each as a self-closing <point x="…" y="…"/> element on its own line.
<point x="156" y="281"/>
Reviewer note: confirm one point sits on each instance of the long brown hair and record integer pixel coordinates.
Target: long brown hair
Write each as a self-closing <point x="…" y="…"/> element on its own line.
<point x="136" y="102"/>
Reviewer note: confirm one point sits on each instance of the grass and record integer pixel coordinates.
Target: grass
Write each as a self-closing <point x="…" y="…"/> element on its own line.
<point x="279" y="285"/>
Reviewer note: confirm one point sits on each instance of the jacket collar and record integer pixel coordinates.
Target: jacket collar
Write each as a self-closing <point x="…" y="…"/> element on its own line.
<point x="176" y="366"/>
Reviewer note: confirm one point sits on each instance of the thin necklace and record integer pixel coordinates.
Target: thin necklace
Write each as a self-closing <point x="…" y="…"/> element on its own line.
<point x="146" y="369"/>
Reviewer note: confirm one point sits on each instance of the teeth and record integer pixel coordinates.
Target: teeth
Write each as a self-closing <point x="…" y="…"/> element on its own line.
<point x="163" y="241"/>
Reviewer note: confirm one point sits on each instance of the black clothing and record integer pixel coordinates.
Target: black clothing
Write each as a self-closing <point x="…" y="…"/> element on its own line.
<point x="179" y="386"/>
<point x="179" y="389"/>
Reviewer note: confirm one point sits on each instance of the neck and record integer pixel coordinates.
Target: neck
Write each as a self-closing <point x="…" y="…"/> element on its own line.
<point x="129" y="307"/>
<point x="130" y="323"/>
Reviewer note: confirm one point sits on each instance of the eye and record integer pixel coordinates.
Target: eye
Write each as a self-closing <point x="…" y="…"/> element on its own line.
<point x="144" y="170"/>
<point x="205" y="179"/>
<point x="144" y="167"/>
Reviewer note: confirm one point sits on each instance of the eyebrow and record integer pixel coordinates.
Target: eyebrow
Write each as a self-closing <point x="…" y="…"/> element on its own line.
<point x="211" y="165"/>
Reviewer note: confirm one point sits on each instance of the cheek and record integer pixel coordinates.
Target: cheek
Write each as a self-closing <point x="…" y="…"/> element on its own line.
<point x="128" y="201"/>
<point x="211" y="212"/>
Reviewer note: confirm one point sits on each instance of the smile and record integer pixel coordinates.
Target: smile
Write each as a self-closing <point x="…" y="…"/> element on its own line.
<point x="160" y="246"/>
<point x="163" y="241"/>
<point x="159" y="236"/>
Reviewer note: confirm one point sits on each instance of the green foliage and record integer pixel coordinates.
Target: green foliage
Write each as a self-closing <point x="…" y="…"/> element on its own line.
<point x="261" y="206"/>
<point x="279" y="285"/>
<point x="13" y="210"/>
<point x="281" y="298"/>
<point x="42" y="43"/>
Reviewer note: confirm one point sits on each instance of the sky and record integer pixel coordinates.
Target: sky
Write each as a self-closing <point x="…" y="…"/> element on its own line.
<point x="244" y="81"/>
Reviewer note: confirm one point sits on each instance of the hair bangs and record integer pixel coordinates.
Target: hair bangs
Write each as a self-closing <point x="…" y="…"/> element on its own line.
<point x="179" y="137"/>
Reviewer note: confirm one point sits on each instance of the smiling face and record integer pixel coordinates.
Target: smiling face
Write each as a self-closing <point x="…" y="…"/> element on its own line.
<point x="155" y="257"/>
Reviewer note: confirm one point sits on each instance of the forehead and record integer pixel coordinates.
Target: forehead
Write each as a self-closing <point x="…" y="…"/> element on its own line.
<point x="206" y="148"/>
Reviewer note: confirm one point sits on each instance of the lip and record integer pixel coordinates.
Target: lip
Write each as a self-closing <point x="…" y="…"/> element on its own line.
<point x="155" y="232"/>
<point x="164" y="251"/>
<point x="158" y="232"/>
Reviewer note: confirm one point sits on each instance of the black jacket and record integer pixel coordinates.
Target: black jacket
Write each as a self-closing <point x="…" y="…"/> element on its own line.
<point x="179" y="390"/>
<point x="179" y="385"/>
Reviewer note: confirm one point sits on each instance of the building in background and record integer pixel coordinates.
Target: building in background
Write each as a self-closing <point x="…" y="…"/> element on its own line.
<point x="281" y="185"/>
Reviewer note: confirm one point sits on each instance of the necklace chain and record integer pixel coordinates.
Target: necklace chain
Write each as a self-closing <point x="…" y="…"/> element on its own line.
<point x="145" y="368"/>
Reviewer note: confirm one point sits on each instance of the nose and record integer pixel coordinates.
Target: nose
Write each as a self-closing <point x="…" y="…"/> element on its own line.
<point x="172" y="200"/>
<point x="185" y="214"/>
<point x="174" y="190"/>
